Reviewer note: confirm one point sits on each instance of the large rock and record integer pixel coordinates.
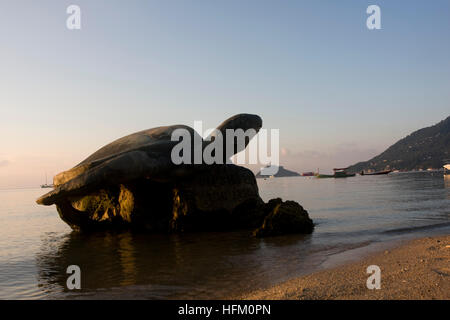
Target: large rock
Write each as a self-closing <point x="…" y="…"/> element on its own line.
<point x="214" y="198"/>
<point x="283" y="218"/>
<point x="136" y="182"/>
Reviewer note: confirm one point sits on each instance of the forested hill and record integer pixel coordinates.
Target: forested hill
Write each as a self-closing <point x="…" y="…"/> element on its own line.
<point x="422" y="149"/>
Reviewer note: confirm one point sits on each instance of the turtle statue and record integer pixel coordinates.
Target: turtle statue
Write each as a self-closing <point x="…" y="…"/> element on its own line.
<point x="134" y="183"/>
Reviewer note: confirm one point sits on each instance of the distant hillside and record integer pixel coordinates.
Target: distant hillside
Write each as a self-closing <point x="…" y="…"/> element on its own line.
<point x="422" y="149"/>
<point x="282" y="172"/>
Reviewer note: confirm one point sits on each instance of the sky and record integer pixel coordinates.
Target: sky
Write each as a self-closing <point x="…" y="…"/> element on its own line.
<point x="338" y="92"/>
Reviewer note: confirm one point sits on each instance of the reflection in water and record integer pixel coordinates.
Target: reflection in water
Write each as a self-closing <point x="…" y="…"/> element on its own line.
<point x="37" y="246"/>
<point x="447" y="184"/>
<point x="203" y="265"/>
<point x="127" y="259"/>
<point x="349" y="214"/>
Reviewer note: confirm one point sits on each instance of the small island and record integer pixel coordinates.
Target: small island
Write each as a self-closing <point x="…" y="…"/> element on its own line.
<point x="282" y="172"/>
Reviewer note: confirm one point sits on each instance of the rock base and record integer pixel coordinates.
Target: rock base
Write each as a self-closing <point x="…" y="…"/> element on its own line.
<point x="212" y="198"/>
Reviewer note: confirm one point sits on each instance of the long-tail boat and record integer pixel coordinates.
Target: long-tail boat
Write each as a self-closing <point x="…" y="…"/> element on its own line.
<point x="338" y="173"/>
<point x="375" y="173"/>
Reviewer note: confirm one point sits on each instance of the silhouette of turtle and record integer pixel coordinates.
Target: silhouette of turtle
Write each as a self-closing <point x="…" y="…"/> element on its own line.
<point x="145" y="154"/>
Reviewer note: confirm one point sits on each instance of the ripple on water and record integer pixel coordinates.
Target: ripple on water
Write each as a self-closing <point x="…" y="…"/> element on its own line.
<point x="349" y="214"/>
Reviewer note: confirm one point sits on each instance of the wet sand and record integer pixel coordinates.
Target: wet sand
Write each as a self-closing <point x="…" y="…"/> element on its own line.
<point x="418" y="269"/>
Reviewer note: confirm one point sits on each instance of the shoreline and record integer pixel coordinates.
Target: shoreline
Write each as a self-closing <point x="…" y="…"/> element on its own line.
<point x="411" y="269"/>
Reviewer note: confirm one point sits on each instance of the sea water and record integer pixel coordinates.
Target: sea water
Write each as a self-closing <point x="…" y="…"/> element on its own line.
<point x="350" y="214"/>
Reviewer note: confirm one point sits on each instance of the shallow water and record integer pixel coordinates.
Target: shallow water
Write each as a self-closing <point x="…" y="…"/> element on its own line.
<point x="36" y="246"/>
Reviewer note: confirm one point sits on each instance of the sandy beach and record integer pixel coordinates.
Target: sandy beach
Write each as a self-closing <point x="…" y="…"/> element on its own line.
<point x="418" y="269"/>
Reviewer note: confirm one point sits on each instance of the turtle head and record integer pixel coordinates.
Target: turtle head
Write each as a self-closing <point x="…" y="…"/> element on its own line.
<point x="238" y="131"/>
<point x="242" y="121"/>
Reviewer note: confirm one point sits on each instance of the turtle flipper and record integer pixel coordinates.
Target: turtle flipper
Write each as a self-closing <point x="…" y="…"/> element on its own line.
<point x="123" y="168"/>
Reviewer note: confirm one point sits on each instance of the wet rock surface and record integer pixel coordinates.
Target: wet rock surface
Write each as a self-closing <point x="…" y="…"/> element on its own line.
<point x="213" y="198"/>
<point x="134" y="183"/>
<point x="284" y="218"/>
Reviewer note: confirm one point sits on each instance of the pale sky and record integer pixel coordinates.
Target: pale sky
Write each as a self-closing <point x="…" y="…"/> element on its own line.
<point x="338" y="92"/>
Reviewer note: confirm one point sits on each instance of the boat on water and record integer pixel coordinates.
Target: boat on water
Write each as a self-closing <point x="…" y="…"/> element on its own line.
<point x="46" y="185"/>
<point x="338" y="173"/>
<point x="308" y="174"/>
<point x="319" y="175"/>
<point x="375" y="173"/>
